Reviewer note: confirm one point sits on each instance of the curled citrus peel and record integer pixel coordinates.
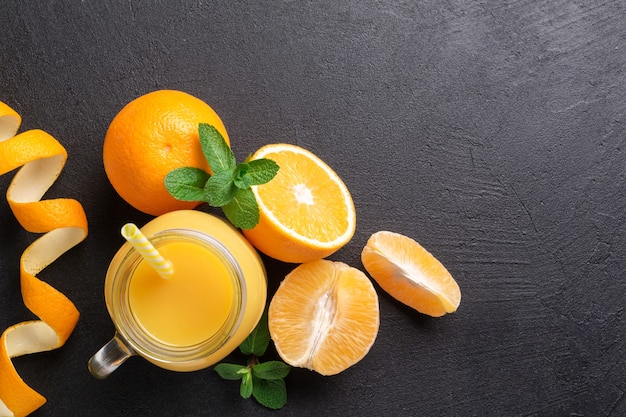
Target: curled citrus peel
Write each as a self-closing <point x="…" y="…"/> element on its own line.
<point x="64" y="225"/>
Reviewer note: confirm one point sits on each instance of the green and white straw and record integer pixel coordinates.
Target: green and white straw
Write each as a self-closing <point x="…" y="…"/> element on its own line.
<point x="142" y="245"/>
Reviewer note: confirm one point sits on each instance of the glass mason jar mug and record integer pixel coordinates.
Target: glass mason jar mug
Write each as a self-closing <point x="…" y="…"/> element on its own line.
<point x="194" y="318"/>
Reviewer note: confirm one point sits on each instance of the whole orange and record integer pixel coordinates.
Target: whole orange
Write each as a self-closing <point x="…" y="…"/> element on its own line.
<point x="152" y="135"/>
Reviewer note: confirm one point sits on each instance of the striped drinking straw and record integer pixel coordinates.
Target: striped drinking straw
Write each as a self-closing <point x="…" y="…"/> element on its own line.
<point x="134" y="236"/>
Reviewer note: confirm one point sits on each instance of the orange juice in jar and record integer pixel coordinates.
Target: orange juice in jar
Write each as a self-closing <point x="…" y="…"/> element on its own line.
<point x="193" y="318"/>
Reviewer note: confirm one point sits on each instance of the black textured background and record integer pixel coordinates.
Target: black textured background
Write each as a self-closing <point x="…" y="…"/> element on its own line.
<point x="492" y="132"/>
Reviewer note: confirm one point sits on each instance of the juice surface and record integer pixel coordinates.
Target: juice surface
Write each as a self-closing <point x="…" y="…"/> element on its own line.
<point x="191" y="305"/>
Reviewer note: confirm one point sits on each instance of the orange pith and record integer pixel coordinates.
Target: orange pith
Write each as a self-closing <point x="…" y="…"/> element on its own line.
<point x="152" y="135"/>
<point x="410" y="274"/>
<point x="306" y="211"/>
<point x="64" y="225"/>
<point x="324" y="316"/>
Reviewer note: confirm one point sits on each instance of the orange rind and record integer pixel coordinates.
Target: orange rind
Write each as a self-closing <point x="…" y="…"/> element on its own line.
<point x="64" y="224"/>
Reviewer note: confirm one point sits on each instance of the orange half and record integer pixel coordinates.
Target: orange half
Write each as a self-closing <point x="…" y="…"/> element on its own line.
<point x="324" y="317"/>
<point x="306" y="211"/>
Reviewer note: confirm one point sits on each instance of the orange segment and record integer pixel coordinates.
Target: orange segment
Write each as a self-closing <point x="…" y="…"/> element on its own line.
<point x="324" y="316"/>
<point x="410" y="274"/>
<point x="64" y="223"/>
<point x="306" y="211"/>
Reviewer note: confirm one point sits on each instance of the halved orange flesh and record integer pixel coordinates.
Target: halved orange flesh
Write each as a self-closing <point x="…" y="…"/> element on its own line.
<point x="306" y="211"/>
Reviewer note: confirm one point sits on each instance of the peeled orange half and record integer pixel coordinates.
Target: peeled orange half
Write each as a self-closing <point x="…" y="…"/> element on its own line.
<point x="410" y="274"/>
<point x="306" y="211"/>
<point x="324" y="317"/>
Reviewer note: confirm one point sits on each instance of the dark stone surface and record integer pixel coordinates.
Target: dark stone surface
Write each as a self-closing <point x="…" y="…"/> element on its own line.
<point x="492" y="132"/>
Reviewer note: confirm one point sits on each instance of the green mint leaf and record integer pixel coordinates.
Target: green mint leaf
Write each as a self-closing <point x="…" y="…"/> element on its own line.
<point x="246" y="388"/>
<point x="241" y="177"/>
<point x="230" y="371"/>
<point x="242" y="211"/>
<point x="255" y="172"/>
<point x="256" y="343"/>
<point x="271" y="370"/>
<point x="215" y="149"/>
<point x="271" y="393"/>
<point x="186" y="184"/>
<point x="260" y="171"/>
<point x="219" y="190"/>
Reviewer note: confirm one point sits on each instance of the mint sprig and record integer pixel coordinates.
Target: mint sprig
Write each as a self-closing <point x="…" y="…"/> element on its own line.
<point x="229" y="186"/>
<point x="262" y="380"/>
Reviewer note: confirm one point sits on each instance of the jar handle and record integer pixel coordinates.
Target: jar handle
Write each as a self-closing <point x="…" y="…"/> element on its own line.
<point x="109" y="357"/>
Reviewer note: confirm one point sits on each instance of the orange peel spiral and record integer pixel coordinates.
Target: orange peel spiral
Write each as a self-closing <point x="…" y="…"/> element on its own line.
<point x="64" y="225"/>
